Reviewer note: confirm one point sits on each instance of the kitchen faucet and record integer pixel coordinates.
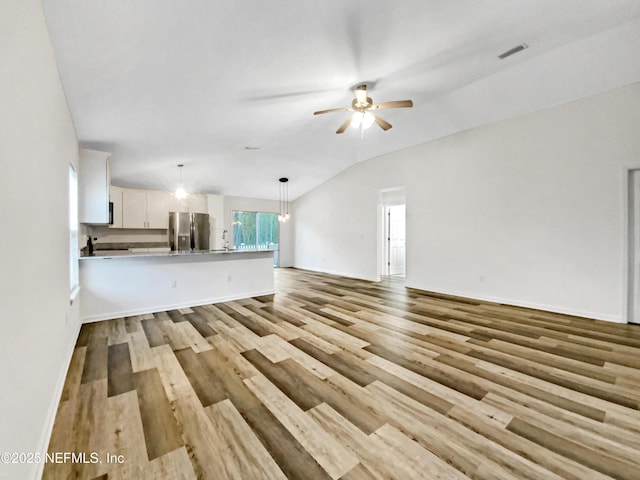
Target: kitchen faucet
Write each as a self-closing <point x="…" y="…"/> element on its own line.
<point x="225" y="234"/>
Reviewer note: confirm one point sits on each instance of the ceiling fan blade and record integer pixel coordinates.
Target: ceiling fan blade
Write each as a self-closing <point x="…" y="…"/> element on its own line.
<point x="320" y="112"/>
<point x="382" y="123"/>
<point x="395" y="104"/>
<point x="344" y="126"/>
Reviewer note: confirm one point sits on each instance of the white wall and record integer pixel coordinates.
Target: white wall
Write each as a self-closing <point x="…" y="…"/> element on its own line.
<point x="527" y="211"/>
<point x="37" y="143"/>
<point x="215" y="207"/>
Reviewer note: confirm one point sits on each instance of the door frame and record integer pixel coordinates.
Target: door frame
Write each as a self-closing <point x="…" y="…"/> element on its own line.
<point x="631" y="248"/>
<point x="388" y="197"/>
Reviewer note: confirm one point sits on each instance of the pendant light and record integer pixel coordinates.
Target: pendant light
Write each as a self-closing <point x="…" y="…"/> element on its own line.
<point x="283" y="216"/>
<point x="181" y="193"/>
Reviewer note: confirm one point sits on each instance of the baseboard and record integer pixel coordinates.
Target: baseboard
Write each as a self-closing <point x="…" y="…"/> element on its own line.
<point x="174" y="306"/>
<point x="519" y="303"/>
<point x="43" y="444"/>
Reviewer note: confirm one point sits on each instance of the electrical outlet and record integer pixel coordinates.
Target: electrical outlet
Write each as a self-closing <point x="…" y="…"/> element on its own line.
<point x="174" y="283"/>
<point x="229" y="278"/>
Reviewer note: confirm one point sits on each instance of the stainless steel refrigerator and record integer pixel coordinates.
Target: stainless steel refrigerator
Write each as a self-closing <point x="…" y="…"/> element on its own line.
<point x="188" y="231"/>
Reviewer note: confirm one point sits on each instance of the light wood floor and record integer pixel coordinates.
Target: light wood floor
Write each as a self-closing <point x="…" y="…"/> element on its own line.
<point x="340" y="378"/>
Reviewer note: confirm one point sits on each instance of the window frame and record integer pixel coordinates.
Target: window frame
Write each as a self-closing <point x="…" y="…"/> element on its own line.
<point x="276" y="256"/>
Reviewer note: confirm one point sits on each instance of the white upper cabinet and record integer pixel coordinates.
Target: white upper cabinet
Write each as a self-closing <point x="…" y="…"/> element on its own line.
<point x="145" y="208"/>
<point x="134" y="208"/>
<point x="157" y="209"/>
<point x="94" y="179"/>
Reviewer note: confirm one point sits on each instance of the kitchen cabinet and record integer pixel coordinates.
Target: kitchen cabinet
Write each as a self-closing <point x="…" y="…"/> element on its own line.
<point x="145" y="208"/>
<point x="94" y="179"/>
<point x="115" y="197"/>
<point x="157" y="209"/>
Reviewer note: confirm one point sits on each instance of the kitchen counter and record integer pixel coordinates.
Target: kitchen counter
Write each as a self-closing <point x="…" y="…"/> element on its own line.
<point x="120" y="283"/>
<point x="101" y="254"/>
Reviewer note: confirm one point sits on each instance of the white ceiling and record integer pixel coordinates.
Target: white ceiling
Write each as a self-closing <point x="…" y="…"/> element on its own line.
<point x="162" y="82"/>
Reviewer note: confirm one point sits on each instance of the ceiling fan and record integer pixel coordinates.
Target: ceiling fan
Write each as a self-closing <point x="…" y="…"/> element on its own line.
<point x="364" y="107"/>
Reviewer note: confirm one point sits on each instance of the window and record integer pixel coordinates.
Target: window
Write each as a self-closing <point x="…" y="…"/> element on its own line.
<point x="74" y="250"/>
<point x="256" y="230"/>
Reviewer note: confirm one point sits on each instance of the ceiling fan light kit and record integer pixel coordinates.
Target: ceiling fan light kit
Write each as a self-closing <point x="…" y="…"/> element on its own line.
<point x="364" y="119"/>
<point x="362" y="106"/>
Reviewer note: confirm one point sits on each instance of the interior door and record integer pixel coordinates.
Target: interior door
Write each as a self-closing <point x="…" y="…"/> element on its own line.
<point x="397" y="246"/>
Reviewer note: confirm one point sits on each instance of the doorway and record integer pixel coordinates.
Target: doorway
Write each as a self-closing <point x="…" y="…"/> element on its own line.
<point x="392" y="246"/>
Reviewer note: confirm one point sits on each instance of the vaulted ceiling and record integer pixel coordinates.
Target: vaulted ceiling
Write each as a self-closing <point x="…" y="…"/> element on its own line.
<point x="228" y="87"/>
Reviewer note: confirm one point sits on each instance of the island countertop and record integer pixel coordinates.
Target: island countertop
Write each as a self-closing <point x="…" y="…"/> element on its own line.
<point x="102" y="254"/>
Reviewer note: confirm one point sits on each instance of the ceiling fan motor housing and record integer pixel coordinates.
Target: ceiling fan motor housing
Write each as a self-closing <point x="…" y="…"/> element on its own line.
<point x="360" y="106"/>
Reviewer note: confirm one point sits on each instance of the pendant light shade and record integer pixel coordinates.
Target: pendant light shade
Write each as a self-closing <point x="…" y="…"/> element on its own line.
<point x="283" y="215"/>
<point x="181" y="193"/>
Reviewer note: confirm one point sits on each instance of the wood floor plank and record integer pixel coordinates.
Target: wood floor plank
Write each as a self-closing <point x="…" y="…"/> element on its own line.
<point x="160" y="429"/>
<point x="175" y="465"/>
<point x="200" y="324"/>
<point x="120" y="371"/>
<point x="132" y="324"/>
<point x="293" y="382"/>
<point x="174" y="378"/>
<point x="142" y="357"/>
<point x="125" y="436"/>
<point x="95" y="363"/>
<point x="154" y="332"/>
<point x="206" y="386"/>
<point x="74" y="375"/>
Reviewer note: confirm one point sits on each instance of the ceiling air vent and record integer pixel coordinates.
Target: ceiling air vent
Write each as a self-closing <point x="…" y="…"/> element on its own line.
<point x="513" y="51"/>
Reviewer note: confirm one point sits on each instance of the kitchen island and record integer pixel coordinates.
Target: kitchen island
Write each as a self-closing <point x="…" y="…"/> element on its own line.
<point x="116" y="284"/>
